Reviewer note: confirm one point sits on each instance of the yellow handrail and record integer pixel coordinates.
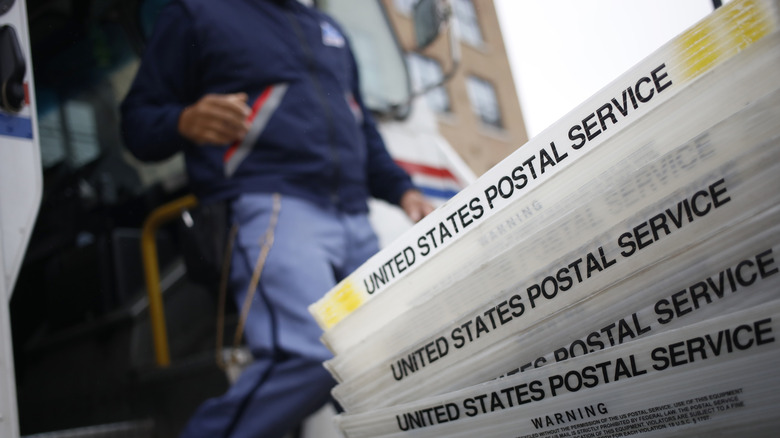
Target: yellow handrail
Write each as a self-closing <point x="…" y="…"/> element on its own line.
<point x="158" y="217"/>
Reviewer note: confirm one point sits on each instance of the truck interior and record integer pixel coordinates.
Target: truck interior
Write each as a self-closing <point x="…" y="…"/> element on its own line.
<point x="83" y="349"/>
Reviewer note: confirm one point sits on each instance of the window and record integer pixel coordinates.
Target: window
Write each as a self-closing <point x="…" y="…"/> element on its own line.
<point x="467" y="22"/>
<point x="425" y="71"/>
<point x="405" y="6"/>
<point x="484" y="101"/>
<point x="384" y="80"/>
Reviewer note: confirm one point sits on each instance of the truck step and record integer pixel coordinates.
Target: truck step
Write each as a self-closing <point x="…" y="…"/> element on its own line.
<point x="127" y="429"/>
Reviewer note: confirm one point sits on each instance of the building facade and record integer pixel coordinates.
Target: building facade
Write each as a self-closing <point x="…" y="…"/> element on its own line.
<point x="478" y="109"/>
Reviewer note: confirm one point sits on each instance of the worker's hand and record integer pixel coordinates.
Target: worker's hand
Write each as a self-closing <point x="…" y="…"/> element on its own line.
<point x="415" y="205"/>
<point x="216" y="119"/>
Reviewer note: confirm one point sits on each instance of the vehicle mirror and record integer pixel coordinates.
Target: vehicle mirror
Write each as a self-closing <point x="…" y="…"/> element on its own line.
<point x="427" y="22"/>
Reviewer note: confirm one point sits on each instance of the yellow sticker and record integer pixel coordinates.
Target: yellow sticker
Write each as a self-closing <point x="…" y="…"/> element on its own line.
<point x="722" y="35"/>
<point x="339" y="304"/>
<point x="752" y="23"/>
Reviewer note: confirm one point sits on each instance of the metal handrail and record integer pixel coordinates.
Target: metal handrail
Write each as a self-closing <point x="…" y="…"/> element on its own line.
<point x="158" y="217"/>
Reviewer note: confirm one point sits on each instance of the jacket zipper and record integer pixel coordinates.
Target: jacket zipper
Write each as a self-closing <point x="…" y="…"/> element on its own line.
<point x="310" y="61"/>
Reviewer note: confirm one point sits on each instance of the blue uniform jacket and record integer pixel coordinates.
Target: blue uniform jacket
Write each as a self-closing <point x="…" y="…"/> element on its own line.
<point x="311" y="136"/>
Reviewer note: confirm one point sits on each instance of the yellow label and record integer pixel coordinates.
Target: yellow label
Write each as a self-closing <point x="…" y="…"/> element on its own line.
<point x="338" y="304"/>
<point x="722" y="35"/>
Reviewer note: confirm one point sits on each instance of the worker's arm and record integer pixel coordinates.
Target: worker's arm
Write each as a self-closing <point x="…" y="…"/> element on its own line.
<point x="415" y="205"/>
<point x="386" y="180"/>
<point x="164" y="111"/>
<point x="215" y="119"/>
